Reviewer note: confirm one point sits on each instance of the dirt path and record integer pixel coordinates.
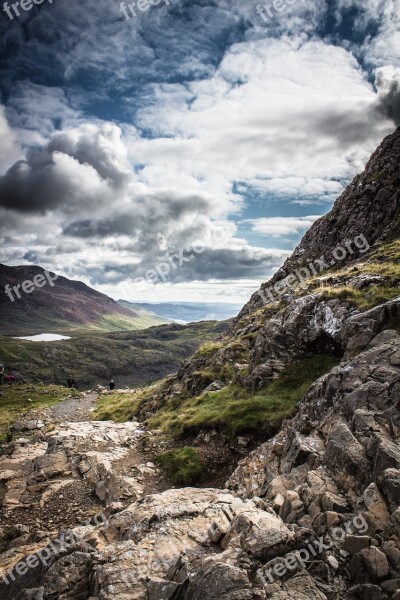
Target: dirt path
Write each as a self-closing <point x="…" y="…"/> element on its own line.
<point x="72" y="467"/>
<point x="73" y="409"/>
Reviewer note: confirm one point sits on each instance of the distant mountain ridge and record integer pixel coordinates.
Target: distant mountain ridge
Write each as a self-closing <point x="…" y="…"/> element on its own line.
<point x="188" y="312"/>
<point x="60" y="305"/>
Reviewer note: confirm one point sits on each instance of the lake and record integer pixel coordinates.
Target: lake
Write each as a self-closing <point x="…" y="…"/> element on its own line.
<point x="44" y="337"/>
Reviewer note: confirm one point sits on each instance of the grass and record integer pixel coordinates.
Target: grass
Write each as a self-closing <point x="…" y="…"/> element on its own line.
<point x="234" y="410"/>
<point x="116" y="322"/>
<point x="14" y="401"/>
<point x="208" y="349"/>
<point x="383" y="261"/>
<point x="362" y="299"/>
<point x="119" y="407"/>
<point x="182" y="465"/>
<point x="131" y="358"/>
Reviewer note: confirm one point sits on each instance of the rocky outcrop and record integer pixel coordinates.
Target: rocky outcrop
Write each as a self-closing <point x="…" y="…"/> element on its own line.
<point x="370" y="206"/>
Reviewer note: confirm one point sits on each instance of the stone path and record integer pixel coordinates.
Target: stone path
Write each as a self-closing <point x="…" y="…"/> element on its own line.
<point x="71" y="468"/>
<point x="73" y="409"/>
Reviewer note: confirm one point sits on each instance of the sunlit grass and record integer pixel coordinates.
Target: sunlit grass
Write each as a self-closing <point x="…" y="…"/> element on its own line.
<point x="183" y="465"/>
<point x="235" y="410"/>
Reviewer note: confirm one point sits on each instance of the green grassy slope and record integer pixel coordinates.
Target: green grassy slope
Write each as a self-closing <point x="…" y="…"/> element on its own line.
<point x="233" y="410"/>
<point x="131" y="358"/>
<point x="19" y="399"/>
<point x="61" y="306"/>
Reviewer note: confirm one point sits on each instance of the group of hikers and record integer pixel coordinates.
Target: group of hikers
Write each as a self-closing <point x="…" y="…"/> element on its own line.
<point x="10" y="379"/>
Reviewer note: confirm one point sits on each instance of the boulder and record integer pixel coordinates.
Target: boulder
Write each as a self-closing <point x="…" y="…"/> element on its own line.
<point x="219" y="581"/>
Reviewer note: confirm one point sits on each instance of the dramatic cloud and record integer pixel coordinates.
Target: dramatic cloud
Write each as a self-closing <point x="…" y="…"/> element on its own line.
<point x="282" y="226"/>
<point x="194" y="123"/>
<point x="388" y="85"/>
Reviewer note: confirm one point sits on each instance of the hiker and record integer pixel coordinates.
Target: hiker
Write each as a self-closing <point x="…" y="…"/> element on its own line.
<point x="112" y="384"/>
<point x="69" y="382"/>
<point x="10" y="379"/>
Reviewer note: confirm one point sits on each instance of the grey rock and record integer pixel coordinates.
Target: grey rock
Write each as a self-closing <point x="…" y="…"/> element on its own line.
<point x="218" y="581"/>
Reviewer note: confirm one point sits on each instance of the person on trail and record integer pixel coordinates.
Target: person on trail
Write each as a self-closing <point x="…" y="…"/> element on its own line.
<point x="112" y="384"/>
<point x="9" y="379"/>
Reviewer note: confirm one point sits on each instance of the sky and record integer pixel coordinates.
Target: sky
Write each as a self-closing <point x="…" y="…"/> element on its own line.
<point x="181" y="153"/>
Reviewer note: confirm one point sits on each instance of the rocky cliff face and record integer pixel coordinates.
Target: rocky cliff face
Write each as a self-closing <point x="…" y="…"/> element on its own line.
<point x="314" y="512"/>
<point x="370" y="206"/>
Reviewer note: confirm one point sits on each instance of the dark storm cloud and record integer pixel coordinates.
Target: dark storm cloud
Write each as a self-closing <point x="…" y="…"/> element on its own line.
<point x="190" y="265"/>
<point x="27" y="189"/>
<point x="73" y="169"/>
<point x="389" y="102"/>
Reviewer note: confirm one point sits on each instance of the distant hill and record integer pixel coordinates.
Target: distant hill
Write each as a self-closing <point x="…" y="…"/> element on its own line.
<point x="187" y="312"/>
<point x="58" y="304"/>
<point x="130" y="357"/>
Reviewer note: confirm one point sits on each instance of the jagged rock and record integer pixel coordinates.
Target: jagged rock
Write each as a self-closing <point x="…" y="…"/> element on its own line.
<point x="257" y="532"/>
<point x="310" y="325"/>
<point x="218" y="581"/>
<point x="69" y="577"/>
<point x="375" y="562"/>
<point x="355" y="543"/>
<point x="299" y="587"/>
<point x="344" y="452"/>
<point x="390" y="484"/>
<point x="162" y="589"/>
<point x="367" y="592"/>
<point x="376" y="505"/>
<point x="215" y="386"/>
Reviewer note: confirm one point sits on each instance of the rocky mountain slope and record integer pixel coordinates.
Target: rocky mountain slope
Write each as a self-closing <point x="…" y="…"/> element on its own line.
<point x="313" y="513"/>
<point x="60" y="304"/>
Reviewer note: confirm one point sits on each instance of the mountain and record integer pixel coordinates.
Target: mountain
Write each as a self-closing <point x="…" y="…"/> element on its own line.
<point x="369" y="207"/>
<point x="57" y="304"/>
<point x="188" y="312"/>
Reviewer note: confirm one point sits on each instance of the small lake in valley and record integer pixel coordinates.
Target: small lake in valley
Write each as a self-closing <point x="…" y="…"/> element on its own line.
<point x="44" y="337"/>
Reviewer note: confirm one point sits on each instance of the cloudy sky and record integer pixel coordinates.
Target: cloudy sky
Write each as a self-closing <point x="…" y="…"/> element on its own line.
<point x="208" y="135"/>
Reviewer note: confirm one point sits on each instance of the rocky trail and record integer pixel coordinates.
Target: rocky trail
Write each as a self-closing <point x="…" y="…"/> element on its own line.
<point x="73" y="410"/>
<point x="63" y="467"/>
